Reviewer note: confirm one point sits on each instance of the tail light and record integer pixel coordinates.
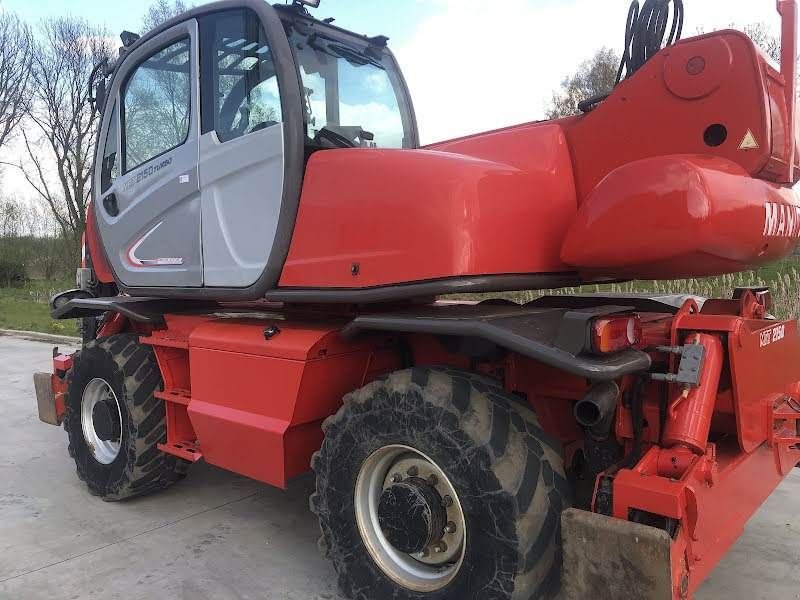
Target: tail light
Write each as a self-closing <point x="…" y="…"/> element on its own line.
<point x="616" y="333"/>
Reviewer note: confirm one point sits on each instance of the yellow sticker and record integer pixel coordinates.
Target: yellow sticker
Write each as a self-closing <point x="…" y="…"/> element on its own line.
<point x="749" y="142"/>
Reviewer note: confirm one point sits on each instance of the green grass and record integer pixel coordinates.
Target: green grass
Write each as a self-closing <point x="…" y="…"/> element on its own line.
<point x="783" y="278"/>
<point x="26" y="308"/>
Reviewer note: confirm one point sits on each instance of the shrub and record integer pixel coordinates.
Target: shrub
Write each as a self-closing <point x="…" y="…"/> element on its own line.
<point x="12" y="273"/>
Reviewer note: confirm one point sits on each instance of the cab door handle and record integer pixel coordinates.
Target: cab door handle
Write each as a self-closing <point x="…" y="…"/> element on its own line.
<point x="111" y="206"/>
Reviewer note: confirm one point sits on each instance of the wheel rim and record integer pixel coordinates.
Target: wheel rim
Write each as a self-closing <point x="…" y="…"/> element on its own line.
<point x="104" y="451"/>
<point x="398" y="467"/>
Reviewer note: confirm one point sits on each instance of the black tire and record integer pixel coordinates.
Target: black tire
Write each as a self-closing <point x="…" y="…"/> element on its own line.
<point x="131" y="371"/>
<point x="512" y="487"/>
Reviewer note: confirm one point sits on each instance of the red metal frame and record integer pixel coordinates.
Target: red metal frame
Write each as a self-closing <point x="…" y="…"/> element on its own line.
<point x="249" y="395"/>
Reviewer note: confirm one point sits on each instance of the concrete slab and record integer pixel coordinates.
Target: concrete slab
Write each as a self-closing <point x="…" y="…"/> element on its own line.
<point x="220" y="536"/>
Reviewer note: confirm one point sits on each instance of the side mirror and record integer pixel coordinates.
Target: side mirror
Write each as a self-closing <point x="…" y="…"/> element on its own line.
<point x="100" y="94"/>
<point x="99" y="84"/>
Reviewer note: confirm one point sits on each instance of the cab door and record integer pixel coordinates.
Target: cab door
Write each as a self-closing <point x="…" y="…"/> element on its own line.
<point x="148" y="207"/>
<point x="242" y="161"/>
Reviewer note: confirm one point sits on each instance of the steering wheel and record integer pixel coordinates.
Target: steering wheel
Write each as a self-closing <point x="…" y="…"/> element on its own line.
<point x="337" y="139"/>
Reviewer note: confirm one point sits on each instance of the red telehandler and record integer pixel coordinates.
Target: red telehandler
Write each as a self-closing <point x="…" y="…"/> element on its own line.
<point x="264" y="253"/>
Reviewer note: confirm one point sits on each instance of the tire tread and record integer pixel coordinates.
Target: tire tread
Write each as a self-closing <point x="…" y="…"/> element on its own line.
<point x="538" y="486"/>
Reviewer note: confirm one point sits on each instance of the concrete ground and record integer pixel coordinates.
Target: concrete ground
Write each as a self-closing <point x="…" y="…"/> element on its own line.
<point x="218" y="536"/>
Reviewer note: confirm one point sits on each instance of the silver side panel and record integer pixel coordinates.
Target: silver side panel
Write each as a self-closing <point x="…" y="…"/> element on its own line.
<point x="242" y="190"/>
<point x="156" y="237"/>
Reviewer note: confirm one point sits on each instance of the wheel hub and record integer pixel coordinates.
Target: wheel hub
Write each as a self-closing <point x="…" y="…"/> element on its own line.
<point x="412" y="515"/>
<point x="105" y="420"/>
<point x="410" y="518"/>
<point x="101" y="419"/>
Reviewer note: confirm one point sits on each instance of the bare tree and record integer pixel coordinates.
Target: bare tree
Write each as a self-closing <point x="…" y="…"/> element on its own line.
<point x="595" y="77"/>
<point x="763" y="37"/>
<point x="60" y="143"/>
<point x="16" y="53"/>
<point x="162" y="11"/>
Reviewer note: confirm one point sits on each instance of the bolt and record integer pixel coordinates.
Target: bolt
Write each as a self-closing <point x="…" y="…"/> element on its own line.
<point x="355" y="269"/>
<point x="413" y="471"/>
<point x="271" y="332"/>
<point x="447" y="501"/>
<point x="450" y="528"/>
<point x="433" y="480"/>
<point x="440" y="548"/>
<point x="425" y="553"/>
<point x="397" y="478"/>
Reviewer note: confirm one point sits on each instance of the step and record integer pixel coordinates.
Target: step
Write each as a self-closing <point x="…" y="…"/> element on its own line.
<point x="165" y="342"/>
<point x="185" y="450"/>
<point x="177" y="396"/>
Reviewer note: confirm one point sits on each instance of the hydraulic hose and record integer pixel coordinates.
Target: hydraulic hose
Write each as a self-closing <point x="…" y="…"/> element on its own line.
<point x="645" y="36"/>
<point x="645" y="33"/>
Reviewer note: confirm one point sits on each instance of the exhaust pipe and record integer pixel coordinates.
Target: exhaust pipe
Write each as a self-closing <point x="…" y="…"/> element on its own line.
<point x="596" y="410"/>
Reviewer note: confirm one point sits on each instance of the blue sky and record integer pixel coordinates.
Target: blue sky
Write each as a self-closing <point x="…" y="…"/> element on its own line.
<point x="471" y="65"/>
<point x="395" y="18"/>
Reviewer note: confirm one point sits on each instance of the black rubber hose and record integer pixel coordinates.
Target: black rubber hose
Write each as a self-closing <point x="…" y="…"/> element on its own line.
<point x="646" y="33"/>
<point x="645" y="36"/>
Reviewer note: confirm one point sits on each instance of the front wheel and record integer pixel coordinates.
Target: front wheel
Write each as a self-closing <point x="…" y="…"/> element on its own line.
<point x="114" y="421"/>
<point x="436" y="484"/>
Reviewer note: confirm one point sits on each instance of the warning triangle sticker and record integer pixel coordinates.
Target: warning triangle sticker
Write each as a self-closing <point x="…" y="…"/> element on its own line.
<point x="749" y="142"/>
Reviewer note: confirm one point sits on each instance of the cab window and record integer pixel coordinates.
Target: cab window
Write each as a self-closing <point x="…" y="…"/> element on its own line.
<point x="243" y="95"/>
<point x="354" y="91"/>
<point x="157" y="105"/>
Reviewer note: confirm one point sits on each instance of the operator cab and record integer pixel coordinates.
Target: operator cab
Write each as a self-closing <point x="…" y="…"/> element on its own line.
<point x="208" y="123"/>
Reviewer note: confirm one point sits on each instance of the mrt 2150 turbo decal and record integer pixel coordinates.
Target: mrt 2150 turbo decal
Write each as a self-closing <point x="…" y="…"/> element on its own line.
<point x="772" y="335"/>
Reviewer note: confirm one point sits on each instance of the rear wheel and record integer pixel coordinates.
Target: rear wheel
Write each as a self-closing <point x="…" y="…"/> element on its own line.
<point x="114" y="422"/>
<point x="437" y="484"/>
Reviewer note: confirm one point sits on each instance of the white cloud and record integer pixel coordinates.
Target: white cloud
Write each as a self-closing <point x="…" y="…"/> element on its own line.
<point x="376" y="118"/>
<point x="377" y="82"/>
<point x="474" y="67"/>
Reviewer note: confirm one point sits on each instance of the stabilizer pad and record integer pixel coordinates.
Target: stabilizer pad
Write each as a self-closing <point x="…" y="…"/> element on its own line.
<point x="612" y="559"/>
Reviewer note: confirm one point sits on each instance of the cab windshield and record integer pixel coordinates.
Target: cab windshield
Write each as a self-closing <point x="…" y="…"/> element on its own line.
<point x="352" y="92"/>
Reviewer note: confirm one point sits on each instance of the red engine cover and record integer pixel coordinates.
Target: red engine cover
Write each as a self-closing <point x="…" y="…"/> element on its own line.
<point x="405" y="216"/>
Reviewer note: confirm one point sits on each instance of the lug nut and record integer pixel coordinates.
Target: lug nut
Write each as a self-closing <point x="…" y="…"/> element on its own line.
<point x="397" y="478"/>
<point x="413" y="471"/>
<point x="450" y="527"/>
<point x="433" y="480"/>
<point x="447" y="501"/>
<point x="440" y="548"/>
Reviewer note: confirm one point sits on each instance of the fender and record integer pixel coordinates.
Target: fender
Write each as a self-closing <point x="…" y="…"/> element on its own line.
<point x="553" y="336"/>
